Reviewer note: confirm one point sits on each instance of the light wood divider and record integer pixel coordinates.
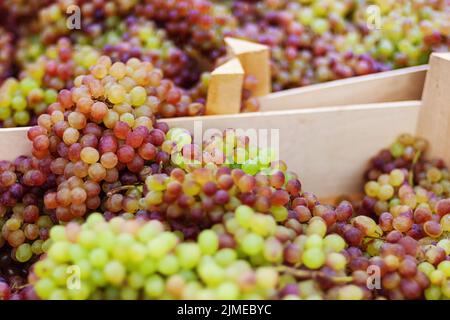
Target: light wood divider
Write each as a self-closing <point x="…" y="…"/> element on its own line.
<point x="225" y="88"/>
<point x="14" y="143"/>
<point x="434" y="120"/>
<point x="328" y="147"/>
<point x="397" y="85"/>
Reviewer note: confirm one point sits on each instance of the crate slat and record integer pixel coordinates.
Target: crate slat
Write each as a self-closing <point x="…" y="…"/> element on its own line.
<point x="328" y="147"/>
<point x="255" y="59"/>
<point x="397" y="85"/>
<point x="434" y="123"/>
<point x="14" y="143"/>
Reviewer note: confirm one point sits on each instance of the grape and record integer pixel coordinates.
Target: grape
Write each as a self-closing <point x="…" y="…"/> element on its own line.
<point x="313" y="258"/>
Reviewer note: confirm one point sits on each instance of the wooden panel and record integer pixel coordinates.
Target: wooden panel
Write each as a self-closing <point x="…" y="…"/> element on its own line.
<point x="398" y="85"/>
<point x="225" y="88"/>
<point x="434" y="121"/>
<point x="14" y="143"/>
<point x="328" y="147"/>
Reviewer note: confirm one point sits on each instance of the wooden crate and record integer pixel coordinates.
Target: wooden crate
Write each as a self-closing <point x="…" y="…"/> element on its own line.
<point x="329" y="146"/>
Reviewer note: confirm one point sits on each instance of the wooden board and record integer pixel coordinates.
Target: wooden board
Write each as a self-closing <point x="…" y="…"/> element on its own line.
<point x="434" y="124"/>
<point x="328" y="147"/>
<point x="225" y="88"/>
<point x="14" y="143"/>
<point x="397" y="85"/>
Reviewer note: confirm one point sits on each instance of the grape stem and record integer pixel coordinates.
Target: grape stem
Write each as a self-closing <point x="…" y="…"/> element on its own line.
<point x="120" y="189"/>
<point x="414" y="162"/>
<point x="311" y="274"/>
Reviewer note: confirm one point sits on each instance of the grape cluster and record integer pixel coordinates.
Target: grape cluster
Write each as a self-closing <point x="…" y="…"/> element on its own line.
<point x="408" y="194"/>
<point x="139" y="38"/>
<point x="129" y="259"/>
<point x="15" y="12"/>
<point x="101" y="133"/>
<point x="408" y="32"/>
<point x="407" y="191"/>
<point x="304" y="41"/>
<point x="60" y="65"/>
<point x="51" y="22"/>
<point x="18" y="98"/>
<point x="22" y="100"/>
<point x="25" y="224"/>
<point x="6" y="53"/>
<point x="198" y="26"/>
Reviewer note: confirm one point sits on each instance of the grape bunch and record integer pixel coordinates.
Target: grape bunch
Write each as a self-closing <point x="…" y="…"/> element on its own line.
<point x="130" y="259"/>
<point x="13" y="13"/>
<point x="140" y="38"/>
<point x="407" y="191"/>
<point x="52" y="21"/>
<point x="102" y="133"/>
<point x="25" y="224"/>
<point x="60" y="65"/>
<point x="23" y="99"/>
<point x="304" y="41"/>
<point x="6" y="53"/>
<point x="197" y="26"/>
<point x="408" y="194"/>
<point x="409" y="30"/>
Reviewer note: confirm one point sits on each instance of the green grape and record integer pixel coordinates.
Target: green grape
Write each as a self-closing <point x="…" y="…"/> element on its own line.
<point x="114" y="272"/>
<point x="313" y="258"/>
<point x="59" y="252"/>
<point x="334" y="242"/>
<point x="168" y="265"/>
<point x="244" y="216"/>
<point x="227" y="291"/>
<point x="279" y="213"/>
<point x="252" y="244"/>
<point x="433" y="293"/>
<point x="225" y="257"/>
<point x="24" y="252"/>
<point x="98" y="257"/>
<point x="21" y="118"/>
<point x="314" y="241"/>
<point x="154" y="286"/>
<point x="188" y="255"/>
<point x="208" y="242"/>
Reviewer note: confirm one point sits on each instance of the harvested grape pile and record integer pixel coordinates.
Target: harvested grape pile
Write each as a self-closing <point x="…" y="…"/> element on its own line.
<point x="114" y="204"/>
<point x="310" y="41"/>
